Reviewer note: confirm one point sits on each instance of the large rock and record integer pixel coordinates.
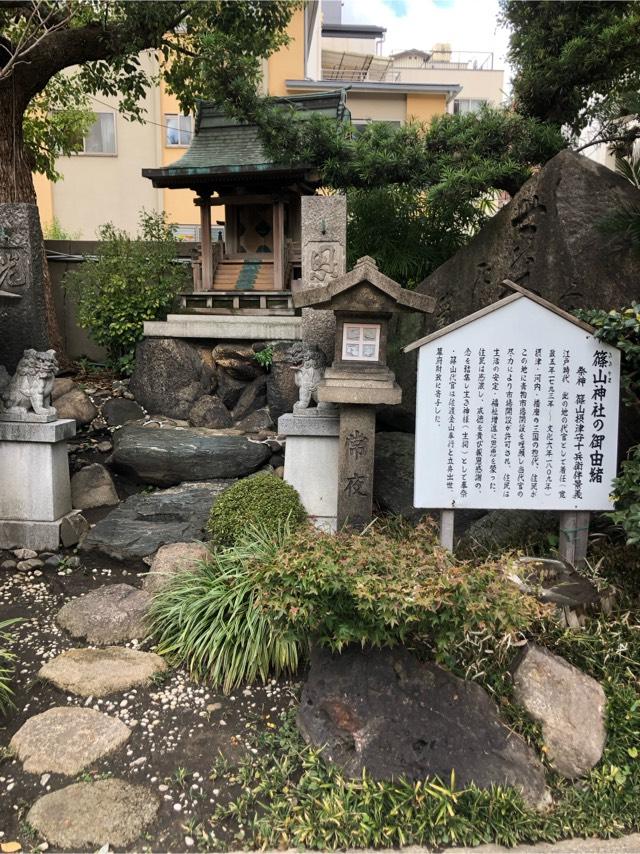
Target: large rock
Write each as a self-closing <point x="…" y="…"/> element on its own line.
<point x="548" y="239"/>
<point x="99" y="672"/>
<point x="210" y="411"/>
<point x="570" y="706"/>
<point x="169" y="376"/>
<point x="237" y="360"/>
<point x="112" y="614"/>
<point x="61" y="385"/>
<point x="385" y="711"/>
<point x="118" y="411"/>
<point x="170" y="560"/>
<point x="230" y="390"/>
<point x="256" y="422"/>
<point x="65" y="740"/>
<point x="253" y="397"/>
<point x="76" y="404"/>
<point x="143" y="523"/>
<point x="282" y="391"/>
<point x="167" y="456"/>
<point x="106" y="812"/>
<point x="501" y="530"/>
<point x="393" y="474"/>
<point x="92" y="486"/>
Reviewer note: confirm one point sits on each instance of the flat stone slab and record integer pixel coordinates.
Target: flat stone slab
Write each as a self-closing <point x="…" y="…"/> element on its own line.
<point x="115" y="613"/>
<point x="171" y="560"/>
<point x="570" y="706"/>
<point x="385" y="711"/>
<point x="143" y="523"/>
<point x="170" y="455"/>
<point x="98" y="672"/>
<point x="66" y="740"/>
<point x="94" y="814"/>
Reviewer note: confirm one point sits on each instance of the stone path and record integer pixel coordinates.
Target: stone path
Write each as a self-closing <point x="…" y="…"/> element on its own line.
<point x="93" y="813"/>
<point x="99" y="672"/>
<point x="67" y="740"/>
<point x="112" y="614"/>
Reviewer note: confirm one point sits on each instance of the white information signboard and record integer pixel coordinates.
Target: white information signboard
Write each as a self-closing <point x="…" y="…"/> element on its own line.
<point x="517" y="408"/>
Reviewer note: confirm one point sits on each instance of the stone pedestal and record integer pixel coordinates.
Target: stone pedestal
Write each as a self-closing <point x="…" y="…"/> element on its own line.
<point x="311" y="462"/>
<point x="35" y="492"/>
<point x="355" y="466"/>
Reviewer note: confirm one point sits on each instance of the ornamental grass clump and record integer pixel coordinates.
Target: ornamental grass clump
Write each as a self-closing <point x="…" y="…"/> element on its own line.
<point x="209" y="620"/>
<point x="263" y="501"/>
<point x="6" y="667"/>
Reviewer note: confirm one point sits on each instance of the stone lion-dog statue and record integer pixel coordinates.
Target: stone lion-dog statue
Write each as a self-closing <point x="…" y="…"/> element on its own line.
<point x="29" y="390"/>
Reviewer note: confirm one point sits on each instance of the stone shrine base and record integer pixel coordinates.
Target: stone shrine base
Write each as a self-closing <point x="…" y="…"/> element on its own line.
<point x="35" y="495"/>
<point x="311" y="462"/>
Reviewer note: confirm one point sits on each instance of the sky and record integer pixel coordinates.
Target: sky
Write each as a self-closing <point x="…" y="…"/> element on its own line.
<point x="470" y="25"/>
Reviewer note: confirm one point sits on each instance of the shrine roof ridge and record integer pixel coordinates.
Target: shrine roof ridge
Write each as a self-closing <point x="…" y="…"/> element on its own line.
<point x="365" y="270"/>
<point x="520" y="293"/>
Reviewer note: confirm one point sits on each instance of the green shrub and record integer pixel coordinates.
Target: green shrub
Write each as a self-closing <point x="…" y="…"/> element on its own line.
<point x="130" y="281"/>
<point x="263" y="500"/>
<point x="385" y="587"/>
<point x="209" y="619"/>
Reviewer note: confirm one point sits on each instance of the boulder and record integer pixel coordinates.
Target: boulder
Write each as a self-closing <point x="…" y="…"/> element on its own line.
<point x="393" y="474"/>
<point x="168" y="456"/>
<point x="570" y="706"/>
<point x="282" y="391"/>
<point x="142" y="524"/>
<point x="76" y="404"/>
<point x="548" y="239"/>
<point x="255" y="422"/>
<point x="385" y="711"/>
<point x="170" y="560"/>
<point x="169" y="376"/>
<point x="209" y="411"/>
<point x="230" y="390"/>
<point x="118" y="411"/>
<point x="65" y="740"/>
<point x="253" y="397"/>
<point x="237" y="361"/>
<point x="99" y="672"/>
<point x="92" y="486"/>
<point x="95" y="815"/>
<point x="501" y="530"/>
<point x="61" y="385"/>
<point x="115" y="613"/>
<point x="72" y="528"/>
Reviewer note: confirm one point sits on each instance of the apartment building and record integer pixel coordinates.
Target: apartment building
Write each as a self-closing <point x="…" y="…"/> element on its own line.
<point x="104" y="182"/>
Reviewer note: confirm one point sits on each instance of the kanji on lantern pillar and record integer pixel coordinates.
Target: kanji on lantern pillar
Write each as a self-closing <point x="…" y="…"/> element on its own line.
<point x="363" y="302"/>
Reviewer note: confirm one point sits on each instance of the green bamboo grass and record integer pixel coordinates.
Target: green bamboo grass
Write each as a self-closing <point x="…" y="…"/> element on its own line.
<point x="210" y="622"/>
<point x="6" y="667"/>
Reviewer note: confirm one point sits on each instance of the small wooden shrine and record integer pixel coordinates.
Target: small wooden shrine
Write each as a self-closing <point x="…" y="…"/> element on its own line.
<point x="253" y="267"/>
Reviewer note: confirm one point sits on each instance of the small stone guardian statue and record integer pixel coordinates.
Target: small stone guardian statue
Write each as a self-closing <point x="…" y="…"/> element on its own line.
<point x="309" y="365"/>
<point x="27" y="396"/>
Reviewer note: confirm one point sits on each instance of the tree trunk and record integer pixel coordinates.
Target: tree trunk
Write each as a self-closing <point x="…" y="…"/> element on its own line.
<point x="16" y="185"/>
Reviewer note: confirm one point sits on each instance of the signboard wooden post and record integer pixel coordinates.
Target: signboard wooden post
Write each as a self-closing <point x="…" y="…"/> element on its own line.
<point x="517" y="408"/>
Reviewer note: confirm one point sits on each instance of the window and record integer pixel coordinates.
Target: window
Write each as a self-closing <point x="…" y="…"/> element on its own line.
<point x="101" y="138"/>
<point x="178" y="130"/>
<point x="361" y="342"/>
<point x="468" y="105"/>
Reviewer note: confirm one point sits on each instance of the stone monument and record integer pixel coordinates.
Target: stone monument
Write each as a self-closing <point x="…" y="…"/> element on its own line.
<point x="22" y="321"/>
<point x="35" y="492"/>
<point x="362" y="302"/>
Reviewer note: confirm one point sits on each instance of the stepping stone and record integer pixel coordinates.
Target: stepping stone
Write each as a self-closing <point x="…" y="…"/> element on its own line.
<point x="112" y="614"/>
<point x="170" y="560"/>
<point x="98" y="672"/>
<point x="94" y="814"/>
<point x="66" y="740"/>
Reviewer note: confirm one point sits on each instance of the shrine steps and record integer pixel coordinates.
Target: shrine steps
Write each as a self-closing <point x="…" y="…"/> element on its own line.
<point x="243" y="275"/>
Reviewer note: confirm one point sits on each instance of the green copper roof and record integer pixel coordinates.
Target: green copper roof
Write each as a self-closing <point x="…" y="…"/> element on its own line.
<point x="224" y="149"/>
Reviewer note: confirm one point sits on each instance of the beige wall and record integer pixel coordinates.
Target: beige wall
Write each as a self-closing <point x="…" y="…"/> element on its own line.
<point x="378" y="108"/>
<point x="486" y="85"/>
<point x="349" y="45"/>
<point x="288" y="63"/>
<point x="422" y="108"/>
<point x="178" y="204"/>
<point x="95" y="189"/>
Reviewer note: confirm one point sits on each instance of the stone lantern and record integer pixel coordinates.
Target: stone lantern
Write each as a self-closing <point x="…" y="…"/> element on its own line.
<point x="363" y="302"/>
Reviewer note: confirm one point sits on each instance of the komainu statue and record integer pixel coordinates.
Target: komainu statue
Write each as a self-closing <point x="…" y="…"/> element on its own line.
<point x="309" y="363"/>
<point x="28" y="392"/>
